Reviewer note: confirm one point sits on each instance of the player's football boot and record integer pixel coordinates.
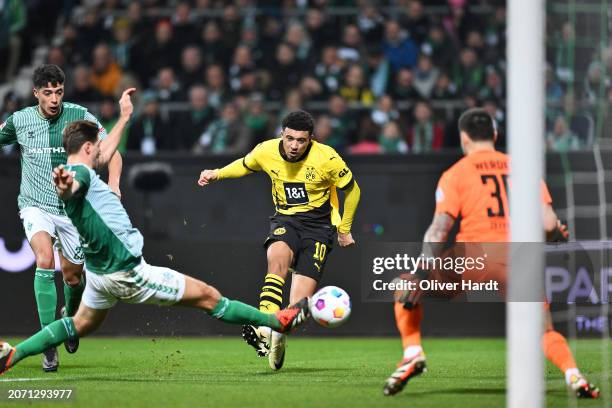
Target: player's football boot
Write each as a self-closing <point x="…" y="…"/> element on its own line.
<point x="583" y="388"/>
<point x="50" y="360"/>
<point x="293" y="315"/>
<point x="258" y="338"/>
<point x="276" y="358"/>
<point x="6" y="355"/>
<point x="71" y="345"/>
<point x="407" y="369"/>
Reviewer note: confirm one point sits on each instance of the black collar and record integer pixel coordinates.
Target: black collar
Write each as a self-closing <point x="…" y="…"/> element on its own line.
<point x="281" y="151"/>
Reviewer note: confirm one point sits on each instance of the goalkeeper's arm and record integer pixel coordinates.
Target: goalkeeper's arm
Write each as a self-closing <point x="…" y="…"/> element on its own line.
<point x="555" y="230"/>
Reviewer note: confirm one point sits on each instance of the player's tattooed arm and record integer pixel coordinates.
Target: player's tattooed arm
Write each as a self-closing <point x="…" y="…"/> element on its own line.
<point x="440" y="228"/>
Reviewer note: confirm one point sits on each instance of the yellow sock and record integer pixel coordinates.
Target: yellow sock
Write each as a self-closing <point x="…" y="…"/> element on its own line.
<point x="271" y="297"/>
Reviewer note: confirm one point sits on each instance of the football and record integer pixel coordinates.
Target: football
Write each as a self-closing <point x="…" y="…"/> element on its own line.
<point x="330" y="306"/>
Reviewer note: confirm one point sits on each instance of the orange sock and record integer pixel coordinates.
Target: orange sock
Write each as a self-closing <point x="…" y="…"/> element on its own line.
<point x="409" y="324"/>
<point x="557" y="350"/>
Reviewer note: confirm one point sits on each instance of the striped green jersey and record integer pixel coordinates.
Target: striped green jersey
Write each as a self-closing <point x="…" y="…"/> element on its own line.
<point x="40" y="143"/>
<point x="110" y="242"/>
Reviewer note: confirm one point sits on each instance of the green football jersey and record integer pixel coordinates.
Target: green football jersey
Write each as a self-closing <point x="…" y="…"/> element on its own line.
<point x="110" y="242"/>
<point x="41" y="149"/>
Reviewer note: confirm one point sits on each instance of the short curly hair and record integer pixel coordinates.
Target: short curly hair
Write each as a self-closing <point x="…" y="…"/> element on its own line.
<point x="48" y="73"/>
<point x="299" y="120"/>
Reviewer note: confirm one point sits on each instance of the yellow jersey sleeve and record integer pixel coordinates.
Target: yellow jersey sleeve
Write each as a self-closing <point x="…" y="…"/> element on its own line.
<point x="251" y="160"/>
<point x="338" y="172"/>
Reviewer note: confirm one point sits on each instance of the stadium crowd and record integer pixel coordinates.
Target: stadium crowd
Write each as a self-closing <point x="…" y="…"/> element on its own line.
<point x="216" y="76"/>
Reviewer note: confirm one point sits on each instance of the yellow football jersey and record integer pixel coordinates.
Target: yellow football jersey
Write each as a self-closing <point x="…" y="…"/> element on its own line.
<point x="305" y="188"/>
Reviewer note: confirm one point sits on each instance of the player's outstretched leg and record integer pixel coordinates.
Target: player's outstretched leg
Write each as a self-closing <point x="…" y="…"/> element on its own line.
<point x="557" y="351"/>
<point x="408" y="320"/>
<point x="83" y="323"/>
<point x="199" y="294"/>
<point x="74" y="285"/>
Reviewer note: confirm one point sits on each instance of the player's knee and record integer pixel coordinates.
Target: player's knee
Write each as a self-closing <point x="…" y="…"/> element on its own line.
<point x="45" y="259"/>
<point x="209" y="296"/>
<point x="83" y="325"/>
<point x="72" y="277"/>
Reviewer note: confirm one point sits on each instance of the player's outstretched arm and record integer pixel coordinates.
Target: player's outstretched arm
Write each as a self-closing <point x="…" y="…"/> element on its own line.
<point x="108" y="146"/>
<point x="555" y="230"/>
<point x="351" y="201"/>
<point x="65" y="184"/>
<point x="115" y="167"/>
<point x="237" y="168"/>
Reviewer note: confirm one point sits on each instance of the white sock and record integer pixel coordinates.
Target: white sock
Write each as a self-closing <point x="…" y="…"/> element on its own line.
<point x="411" y="351"/>
<point x="569" y="372"/>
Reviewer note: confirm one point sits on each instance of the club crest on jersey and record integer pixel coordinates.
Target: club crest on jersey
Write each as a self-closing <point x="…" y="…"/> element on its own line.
<point x="311" y="175"/>
<point x="280" y="231"/>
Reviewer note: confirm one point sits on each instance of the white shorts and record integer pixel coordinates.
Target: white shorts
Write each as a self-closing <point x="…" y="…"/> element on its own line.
<point x="144" y="284"/>
<point x="65" y="236"/>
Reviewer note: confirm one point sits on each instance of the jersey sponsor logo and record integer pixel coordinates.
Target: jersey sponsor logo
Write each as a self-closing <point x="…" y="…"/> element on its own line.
<point x="45" y="150"/>
<point x="311" y="175"/>
<point x="30" y="134"/>
<point x="280" y="231"/>
<point x="343" y="172"/>
<point x="295" y="193"/>
<point x="439" y="195"/>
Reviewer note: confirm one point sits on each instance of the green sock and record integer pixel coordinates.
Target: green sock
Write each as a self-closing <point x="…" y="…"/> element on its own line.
<point x="46" y="295"/>
<point x="53" y="334"/>
<point x="233" y="311"/>
<point x="72" y="296"/>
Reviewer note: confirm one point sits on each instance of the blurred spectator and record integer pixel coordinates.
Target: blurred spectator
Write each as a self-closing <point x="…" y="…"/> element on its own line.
<point x="150" y="132"/>
<point x="371" y="24"/>
<point x="564" y="44"/>
<point x="469" y="73"/>
<point x="329" y="70"/>
<point x="355" y="88"/>
<point x="384" y="112"/>
<point x="311" y="89"/>
<point x="343" y="123"/>
<point x="460" y="20"/>
<point x="350" y="47"/>
<point x="562" y="139"/>
<point x="242" y="63"/>
<point x="400" y="50"/>
<point x="297" y="38"/>
<point x="10" y="105"/>
<point x="293" y="101"/>
<point x="231" y="26"/>
<point x="287" y="72"/>
<point x="270" y="37"/>
<point x="491" y="105"/>
<point x="403" y="88"/>
<point x="369" y="134"/>
<point x="416" y="21"/>
<point x="494" y="85"/>
<point x="596" y="83"/>
<point x="218" y="92"/>
<point x="444" y="88"/>
<point x="439" y="47"/>
<point x="106" y="74"/>
<point x="183" y="25"/>
<point x="13" y="18"/>
<point x="554" y="91"/>
<point x="425" y="76"/>
<point x="425" y="135"/>
<point x="495" y="33"/>
<point x="214" y="50"/>
<point x="108" y="117"/>
<point x="123" y="44"/>
<point x="320" y="31"/>
<point x="161" y="52"/>
<point x="581" y="122"/>
<point x="166" y="87"/>
<point x="257" y="119"/>
<point x="228" y="134"/>
<point x="378" y="70"/>
<point x="90" y="32"/>
<point x="191" y="124"/>
<point x="82" y="90"/>
<point x="192" y="71"/>
<point x="323" y="129"/>
<point x="70" y="46"/>
<point x="390" y="139"/>
<point x="140" y="27"/>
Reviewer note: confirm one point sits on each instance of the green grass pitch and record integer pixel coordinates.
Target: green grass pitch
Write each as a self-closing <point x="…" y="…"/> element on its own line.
<point x="318" y="372"/>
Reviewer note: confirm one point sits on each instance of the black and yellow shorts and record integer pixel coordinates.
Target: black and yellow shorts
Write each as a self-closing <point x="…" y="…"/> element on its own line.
<point x="311" y="243"/>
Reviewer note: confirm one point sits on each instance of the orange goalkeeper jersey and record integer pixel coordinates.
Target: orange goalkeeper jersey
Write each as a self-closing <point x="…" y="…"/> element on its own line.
<point x="475" y="190"/>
